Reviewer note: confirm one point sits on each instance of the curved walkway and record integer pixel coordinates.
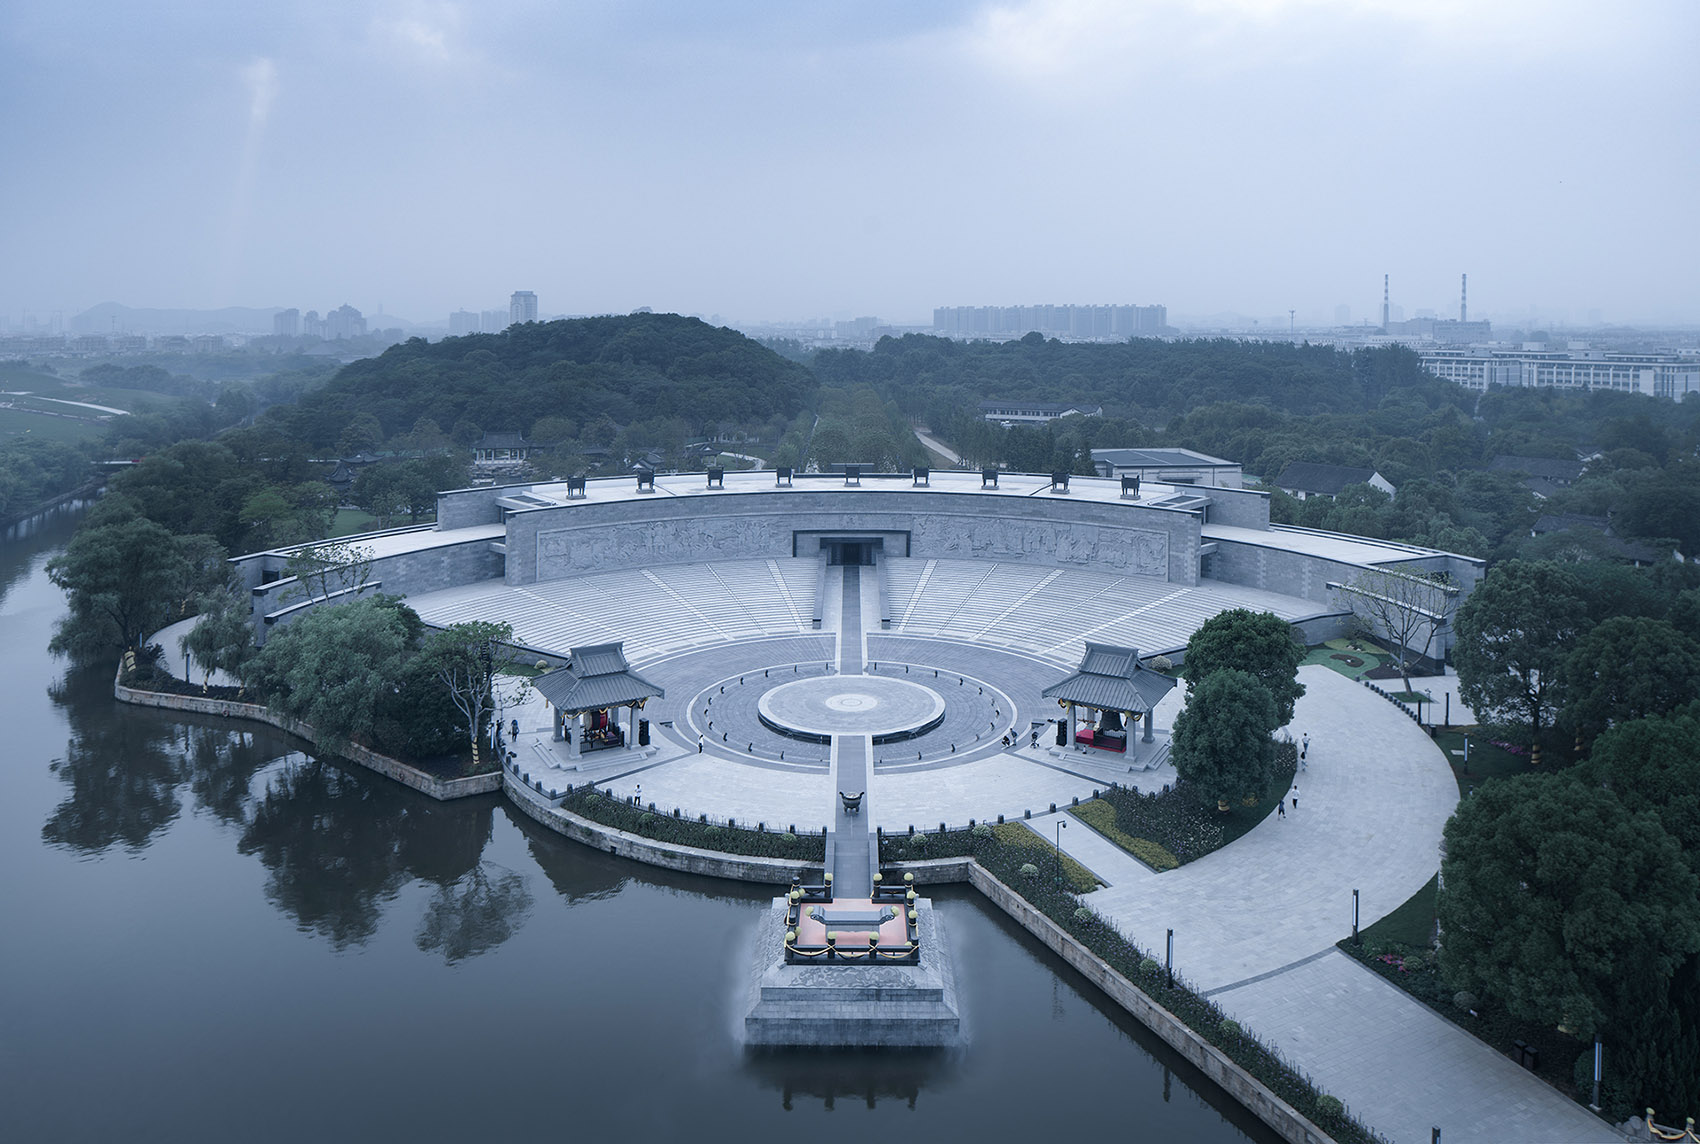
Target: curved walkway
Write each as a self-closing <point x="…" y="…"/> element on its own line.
<point x="1255" y="925"/>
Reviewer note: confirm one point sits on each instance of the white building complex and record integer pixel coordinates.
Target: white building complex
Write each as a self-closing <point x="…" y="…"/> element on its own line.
<point x="1672" y="375"/>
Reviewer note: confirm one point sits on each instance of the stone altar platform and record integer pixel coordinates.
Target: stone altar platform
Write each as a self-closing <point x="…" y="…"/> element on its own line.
<point x="852" y="1006"/>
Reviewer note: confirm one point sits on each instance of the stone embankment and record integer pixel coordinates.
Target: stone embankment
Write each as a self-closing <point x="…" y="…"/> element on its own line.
<point x="1236" y="1081"/>
<point x="441" y="789"/>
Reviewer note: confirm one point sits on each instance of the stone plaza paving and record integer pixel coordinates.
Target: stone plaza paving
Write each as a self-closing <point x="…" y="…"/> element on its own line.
<point x="1255" y="922"/>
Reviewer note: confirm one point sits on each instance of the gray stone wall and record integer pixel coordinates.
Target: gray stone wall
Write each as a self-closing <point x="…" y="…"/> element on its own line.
<point x="1052" y="531"/>
<point x="407" y="574"/>
<point x="1306" y="576"/>
<point x="463" y="508"/>
<point x="1243" y="508"/>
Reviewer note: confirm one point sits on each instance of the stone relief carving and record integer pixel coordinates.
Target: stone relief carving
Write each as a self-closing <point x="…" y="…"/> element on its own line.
<point x="590" y="548"/>
<point x="564" y="551"/>
<point x="1133" y="550"/>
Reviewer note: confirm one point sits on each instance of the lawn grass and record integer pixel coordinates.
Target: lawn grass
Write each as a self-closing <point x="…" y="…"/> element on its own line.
<point x="1412" y="924"/>
<point x="351" y="520"/>
<point x="1101" y="816"/>
<point x="1014" y="834"/>
<point x="18" y="424"/>
<point x="1486" y="761"/>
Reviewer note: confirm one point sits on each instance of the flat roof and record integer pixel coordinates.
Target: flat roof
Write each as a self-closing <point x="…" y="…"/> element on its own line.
<point x="399" y="542"/>
<point x="602" y="490"/>
<point x="1328" y="545"/>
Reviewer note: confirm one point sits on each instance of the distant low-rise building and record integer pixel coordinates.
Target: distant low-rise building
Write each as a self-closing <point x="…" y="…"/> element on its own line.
<point x="1594" y="534"/>
<point x="1542" y="476"/>
<point x="1672" y="375"/>
<point x="1306" y="479"/>
<point x="501" y="450"/>
<point x="1018" y="411"/>
<point x="1169" y="466"/>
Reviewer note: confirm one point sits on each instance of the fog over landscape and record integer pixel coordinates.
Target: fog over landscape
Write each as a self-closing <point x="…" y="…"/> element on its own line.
<point x="756" y="162"/>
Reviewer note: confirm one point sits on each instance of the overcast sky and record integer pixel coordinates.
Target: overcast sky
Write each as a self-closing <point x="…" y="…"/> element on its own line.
<point x="793" y="160"/>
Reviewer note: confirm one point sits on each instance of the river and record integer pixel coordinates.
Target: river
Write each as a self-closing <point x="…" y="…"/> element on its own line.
<point x="209" y="935"/>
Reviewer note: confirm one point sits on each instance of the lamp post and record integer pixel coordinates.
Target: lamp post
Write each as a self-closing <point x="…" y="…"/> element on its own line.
<point x="1061" y="823"/>
<point x="1356" y="940"/>
<point x="1169" y="959"/>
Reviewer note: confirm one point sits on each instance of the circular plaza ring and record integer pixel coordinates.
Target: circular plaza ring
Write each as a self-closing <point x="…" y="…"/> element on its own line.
<point x="817" y="709"/>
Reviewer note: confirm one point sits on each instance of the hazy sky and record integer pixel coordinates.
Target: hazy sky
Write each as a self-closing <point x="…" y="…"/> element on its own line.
<point x="791" y="160"/>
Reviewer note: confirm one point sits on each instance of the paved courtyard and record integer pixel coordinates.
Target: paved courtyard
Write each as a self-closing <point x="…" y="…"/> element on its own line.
<point x="1255" y="923"/>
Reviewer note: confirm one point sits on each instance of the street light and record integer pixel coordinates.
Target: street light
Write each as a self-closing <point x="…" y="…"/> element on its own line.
<point x="1061" y="823"/>
<point x="1356" y="940"/>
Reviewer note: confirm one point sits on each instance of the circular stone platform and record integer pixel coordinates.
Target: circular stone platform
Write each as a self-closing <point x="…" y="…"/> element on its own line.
<point x="817" y="709"/>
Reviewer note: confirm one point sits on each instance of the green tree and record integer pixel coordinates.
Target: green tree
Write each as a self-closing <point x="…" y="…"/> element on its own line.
<point x="1513" y="634"/>
<point x="1556" y="900"/>
<point x="126" y="577"/>
<point x="1260" y="643"/>
<point x="1628" y="667"/>
<point x="328" y="566"/>
<point x="1222" y="745"/>
<point x="223" y="639"/>
<point x="332" y="667"/>
<point x="1654" y="764"/>
<point x="468" y="658"/>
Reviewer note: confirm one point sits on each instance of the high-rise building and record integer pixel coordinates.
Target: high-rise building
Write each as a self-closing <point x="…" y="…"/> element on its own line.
<point x="344" y="322"/>
<point x="462" y="322"/>
<point x="522" y="307"/>
<point x="287" y="323"/>
<point x="494" y="321"/>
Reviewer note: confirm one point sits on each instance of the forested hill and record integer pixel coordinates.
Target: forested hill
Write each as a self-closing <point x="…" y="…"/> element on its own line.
<point x="1145" y="379"/>
<point x="624" y="369"/>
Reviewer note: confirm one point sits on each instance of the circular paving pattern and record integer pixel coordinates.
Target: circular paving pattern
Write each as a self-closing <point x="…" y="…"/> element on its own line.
<point x="819" y="708"/>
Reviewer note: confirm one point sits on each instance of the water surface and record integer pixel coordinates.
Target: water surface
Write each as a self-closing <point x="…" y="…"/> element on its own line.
<point x="209" y="935"/>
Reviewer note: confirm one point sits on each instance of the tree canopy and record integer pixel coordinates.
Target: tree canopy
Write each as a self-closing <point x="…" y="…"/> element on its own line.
<point x="1221" y="745"/>
<point x="1513" y="633"/>
<point x="1555" y="898"/>
<point x="126" y="577"/>
<point x="1259" y="643"/>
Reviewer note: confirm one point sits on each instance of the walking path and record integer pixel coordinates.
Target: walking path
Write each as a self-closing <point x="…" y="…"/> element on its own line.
<point x="1255" y="925"/>
<point x="938" y="447"/>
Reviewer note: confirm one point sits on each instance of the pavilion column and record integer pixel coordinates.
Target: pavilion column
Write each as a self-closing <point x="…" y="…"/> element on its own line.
<point x="575" y="731"/>
<point x="631" y="726"/>
<point x="560" y="723"/>
<point x="1150" y="735"/>
<point x="1073" y="718"/>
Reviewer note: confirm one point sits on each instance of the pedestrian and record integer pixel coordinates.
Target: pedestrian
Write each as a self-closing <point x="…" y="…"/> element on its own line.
<point x="1295" y="796"/>
<point x="1303" y="766"/>
<point x="1281" y="809"/>
<point x="1306" y="747"/>
<point x="699" y="744"/>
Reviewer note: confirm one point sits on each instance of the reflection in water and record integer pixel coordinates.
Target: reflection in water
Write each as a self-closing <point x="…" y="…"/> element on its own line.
<point x="862" y="1077"/>
<point x="123" y="773"/>
<point x="474" y="914"/>
<point x="338" y="845"/>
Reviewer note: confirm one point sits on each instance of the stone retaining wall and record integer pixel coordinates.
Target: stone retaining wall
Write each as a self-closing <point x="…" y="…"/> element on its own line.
<point x="441" y="789"/>
<point x="1233" y="1079"/>
<point x="1241" y="1085"/>
<point x="667" y="855"/>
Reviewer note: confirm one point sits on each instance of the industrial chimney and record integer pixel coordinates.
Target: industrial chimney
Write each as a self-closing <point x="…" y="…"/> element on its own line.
<point x="1463" y="297"/>
<point x="1386" y="311"/>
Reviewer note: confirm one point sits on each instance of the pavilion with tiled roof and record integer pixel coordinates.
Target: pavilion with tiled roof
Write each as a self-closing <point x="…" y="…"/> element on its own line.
<point x="588" y="694"/>
<point x="1111" y="682"/>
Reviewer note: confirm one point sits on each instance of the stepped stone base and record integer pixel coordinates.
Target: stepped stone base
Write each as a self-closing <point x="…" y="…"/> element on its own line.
<point x="843" y="1006"/>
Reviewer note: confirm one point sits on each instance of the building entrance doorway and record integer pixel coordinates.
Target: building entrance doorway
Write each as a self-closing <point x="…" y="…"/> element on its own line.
<point x="850" y="550"/>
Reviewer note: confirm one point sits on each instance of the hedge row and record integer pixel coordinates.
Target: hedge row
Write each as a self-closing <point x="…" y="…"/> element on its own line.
<point x="1037" y="883"/>
<point x="672" y="826"/>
